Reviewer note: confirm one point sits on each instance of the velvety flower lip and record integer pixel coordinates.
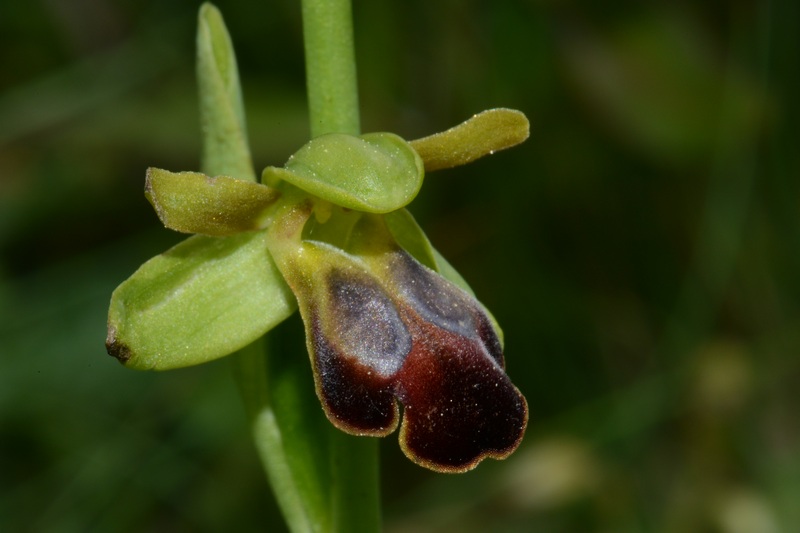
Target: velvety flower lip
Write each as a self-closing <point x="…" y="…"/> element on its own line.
<point x="370" y="328"/>
<point x="385" y="331"/>
<point x="460" y="406"/>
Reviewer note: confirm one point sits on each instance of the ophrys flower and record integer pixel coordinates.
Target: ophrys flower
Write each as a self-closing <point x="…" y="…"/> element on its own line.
<point x="388" y="321"/>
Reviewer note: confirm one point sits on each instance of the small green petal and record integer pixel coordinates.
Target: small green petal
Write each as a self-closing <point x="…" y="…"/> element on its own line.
<point x="409" y="236"/>
<point x="191" y="202"/>
<point x="200" y="300"/>
<point x="225" y="149"/>
<point x="375" y="173"/>
<point x="483" y="134"/>
<point x="449" y="273"/>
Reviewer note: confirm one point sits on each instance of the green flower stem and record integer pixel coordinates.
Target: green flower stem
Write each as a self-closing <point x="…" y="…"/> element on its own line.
<point x="330" y="67"/>
<point x="355" y="483"/>
<point x="289" y="432"/>
<point x="324" y="480"/>
<point x="333" y="108"/>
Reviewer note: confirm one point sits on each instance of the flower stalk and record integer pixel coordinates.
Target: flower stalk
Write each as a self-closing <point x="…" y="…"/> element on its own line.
<point x="330" y="67"/>
<point x="333" y="107"/>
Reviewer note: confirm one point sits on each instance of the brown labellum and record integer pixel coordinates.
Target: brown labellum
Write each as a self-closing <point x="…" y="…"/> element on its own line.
<point x="410" y="336"/>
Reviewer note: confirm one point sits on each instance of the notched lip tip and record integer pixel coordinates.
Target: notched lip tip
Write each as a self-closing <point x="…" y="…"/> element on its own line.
<point x="465" y="465"/>
<point x="342" y="425"/>
<point x="461" y="467"/>
<point x="443" y="467"/>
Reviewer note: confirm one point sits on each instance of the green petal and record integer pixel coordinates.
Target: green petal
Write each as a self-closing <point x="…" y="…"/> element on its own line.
<point x="409" y="236"/>
<point x="225" y="148"/>
<point x="191" y="202"/>
<point x="376" y="173"/>
<point x="199" y="301"/>
<point x="483" y="134"/>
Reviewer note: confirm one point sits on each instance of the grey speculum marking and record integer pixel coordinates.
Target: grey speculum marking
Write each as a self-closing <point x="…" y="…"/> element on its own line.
<point x="367" y="324"/>
<point x="436" y="300"/>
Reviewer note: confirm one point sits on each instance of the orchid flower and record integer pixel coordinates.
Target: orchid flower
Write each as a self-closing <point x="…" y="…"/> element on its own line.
<point x="388" y="321"/>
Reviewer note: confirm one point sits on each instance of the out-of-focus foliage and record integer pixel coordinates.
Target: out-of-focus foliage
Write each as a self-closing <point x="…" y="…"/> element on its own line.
<point x="640" y="252"/>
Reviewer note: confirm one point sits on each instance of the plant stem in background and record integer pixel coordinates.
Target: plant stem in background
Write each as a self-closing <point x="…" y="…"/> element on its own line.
<point x="330" y="67"/>
<point x="333" y="107"/>
<point x="323" y="480"/>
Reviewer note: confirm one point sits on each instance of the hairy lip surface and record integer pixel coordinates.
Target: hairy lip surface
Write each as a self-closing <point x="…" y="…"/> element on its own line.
<point x="428" y="346"/>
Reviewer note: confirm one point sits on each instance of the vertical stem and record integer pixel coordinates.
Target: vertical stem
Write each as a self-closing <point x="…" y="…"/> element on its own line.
<point x="330" y="67"/>
<point x="333" y="107"/>
<point x="355" y="495"/>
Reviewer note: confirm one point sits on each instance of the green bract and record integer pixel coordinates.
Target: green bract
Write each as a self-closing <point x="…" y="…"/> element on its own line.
<point x="374" y="173"/>
<point x="225" y="148"/>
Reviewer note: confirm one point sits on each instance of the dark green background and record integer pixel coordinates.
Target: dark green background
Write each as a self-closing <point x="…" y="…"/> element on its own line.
<point x="641" y="251"/>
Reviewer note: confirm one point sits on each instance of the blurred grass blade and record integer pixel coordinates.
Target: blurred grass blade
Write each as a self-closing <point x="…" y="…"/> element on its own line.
<point x="225" y="148"/>
<point x="85" y="85"/>
<point x="661" y="88"/>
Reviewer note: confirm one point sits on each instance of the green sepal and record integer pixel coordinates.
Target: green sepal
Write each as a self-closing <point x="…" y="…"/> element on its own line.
<point x="191" y="202"/>
<point x="412" y="239"/>
<point x="483" y="134"/>
<point x="375" y="173"/>
<point x="225" y="148"/>
<point x="198" y="301"/>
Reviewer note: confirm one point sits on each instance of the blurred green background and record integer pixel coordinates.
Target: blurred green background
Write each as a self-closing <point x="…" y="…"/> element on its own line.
<point x="641" y="252"/>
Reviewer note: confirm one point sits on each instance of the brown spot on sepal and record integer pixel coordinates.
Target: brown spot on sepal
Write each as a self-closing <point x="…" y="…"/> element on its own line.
<point x="121" y="352"/>
<point x="117" y="349"/>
